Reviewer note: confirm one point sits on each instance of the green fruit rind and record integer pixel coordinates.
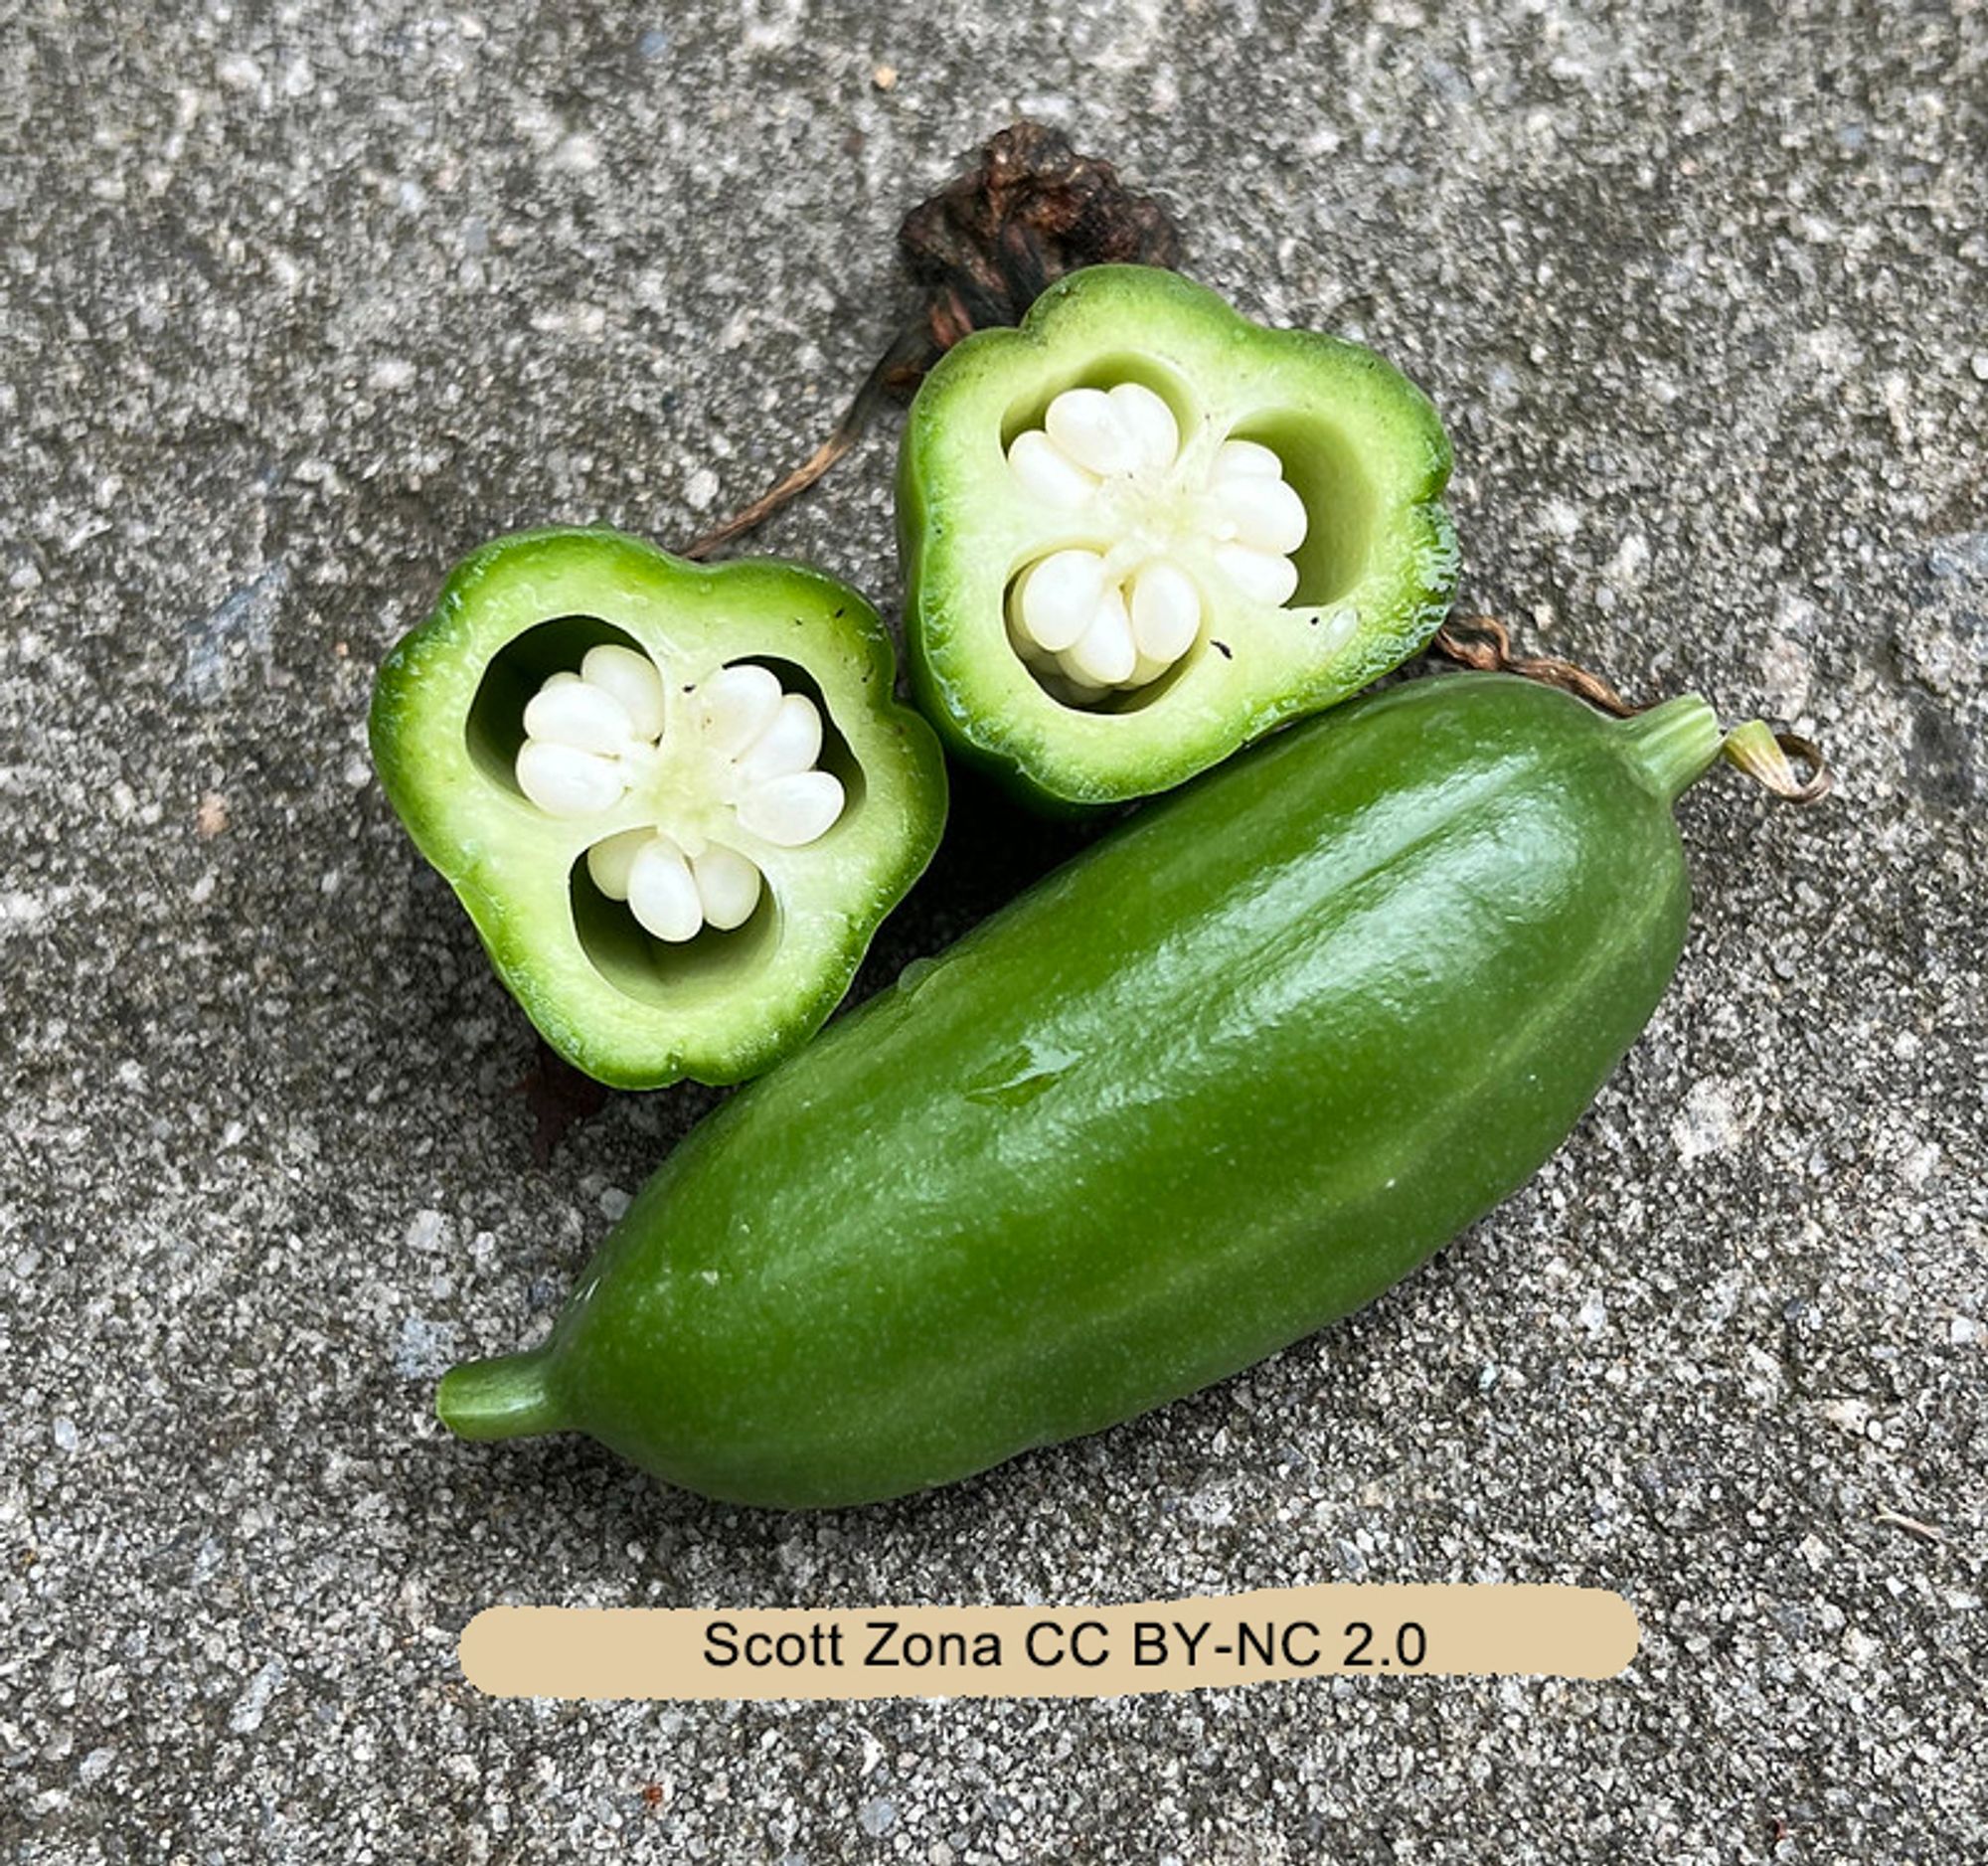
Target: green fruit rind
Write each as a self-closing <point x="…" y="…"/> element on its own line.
<point x="1225" y="1076"/>
<point x="1370" y="451"/>
<point x="510" y="864"/>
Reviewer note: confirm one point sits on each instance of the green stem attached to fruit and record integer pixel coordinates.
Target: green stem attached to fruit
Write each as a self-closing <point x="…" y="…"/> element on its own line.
<point x="1755" y="748"/>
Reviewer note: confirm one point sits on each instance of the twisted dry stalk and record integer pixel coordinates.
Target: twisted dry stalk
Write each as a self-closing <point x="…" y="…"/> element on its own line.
<point x="983" y="250"/>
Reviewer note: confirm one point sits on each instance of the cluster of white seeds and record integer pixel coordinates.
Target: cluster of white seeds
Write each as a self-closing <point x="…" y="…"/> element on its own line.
<point x="1114" y="616"/>
<point x="728" y="761"/>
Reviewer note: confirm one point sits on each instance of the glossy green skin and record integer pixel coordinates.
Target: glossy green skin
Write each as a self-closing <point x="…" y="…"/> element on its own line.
<point x="1225" y="1076"/>
<point x="729" y="1005"/>
<point x="1361" y="445"/>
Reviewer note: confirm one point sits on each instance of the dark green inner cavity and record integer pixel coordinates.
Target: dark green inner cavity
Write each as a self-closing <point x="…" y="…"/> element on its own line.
<point x="656" y="971"/>
<point x="496" y="725"/>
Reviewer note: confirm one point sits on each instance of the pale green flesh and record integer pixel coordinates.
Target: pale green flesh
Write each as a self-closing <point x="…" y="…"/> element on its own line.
<point x="631" y="1010"/>
<point x="1360" y="443"/>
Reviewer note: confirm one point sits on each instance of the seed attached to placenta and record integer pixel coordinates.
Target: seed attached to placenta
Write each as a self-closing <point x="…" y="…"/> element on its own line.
<point x="1116" y="613"/>
<point x="697" y="777"/>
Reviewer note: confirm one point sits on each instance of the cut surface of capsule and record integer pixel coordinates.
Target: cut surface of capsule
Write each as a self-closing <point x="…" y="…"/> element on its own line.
<point x="708" y="770"/>
<point x="1239" y="485"/>
<point x="667" y="700"/>
<point x="1114" y="614"/>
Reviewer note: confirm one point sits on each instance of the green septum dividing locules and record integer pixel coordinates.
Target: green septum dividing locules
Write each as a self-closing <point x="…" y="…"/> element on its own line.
<point x="676" y="799"/>
<point x="1140" y="531"/>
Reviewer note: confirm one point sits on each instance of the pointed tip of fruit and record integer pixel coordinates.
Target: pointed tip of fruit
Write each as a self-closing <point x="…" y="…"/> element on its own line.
<point x="506" y="1398"/>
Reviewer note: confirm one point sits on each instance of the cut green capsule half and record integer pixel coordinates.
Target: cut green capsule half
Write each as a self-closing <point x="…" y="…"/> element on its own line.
<point x="676" y="799"/>
<point x="1140" y="531"/>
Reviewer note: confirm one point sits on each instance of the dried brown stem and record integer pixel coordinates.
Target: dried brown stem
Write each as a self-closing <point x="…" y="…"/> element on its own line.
<point x="1028" y="210"/>
<point x="880" y="382"/>
<point x="1768" y="756"/>
<point x="1484" y="642"/>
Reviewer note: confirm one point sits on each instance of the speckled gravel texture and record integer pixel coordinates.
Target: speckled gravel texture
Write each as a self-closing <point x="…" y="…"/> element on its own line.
<point x="301" y="301"/>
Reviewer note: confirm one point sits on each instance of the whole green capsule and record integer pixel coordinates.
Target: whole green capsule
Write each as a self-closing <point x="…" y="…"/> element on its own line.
<point x="1221" y="1079"/>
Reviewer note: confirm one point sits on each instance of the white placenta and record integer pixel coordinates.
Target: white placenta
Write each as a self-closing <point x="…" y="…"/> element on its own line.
<point x="716" y="769"/>
<point x="1112" y="617"/>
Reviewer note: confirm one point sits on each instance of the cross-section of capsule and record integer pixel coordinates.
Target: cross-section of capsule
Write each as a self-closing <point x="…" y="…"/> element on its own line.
<point x="676" y="800"/>
<point x="1140" y="531"/>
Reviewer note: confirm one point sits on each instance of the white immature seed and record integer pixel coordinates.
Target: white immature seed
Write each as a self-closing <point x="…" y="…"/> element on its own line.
<point x="790" y="742"/>
<point x="728" y="886"/>
<point x="1105" y="654"/>
<point x="1148" y="426"/>
<point x="1058" y="595"/>
<point x="1117" y="612"/>
<point x="573" y="711"/>
<point x="736" y="705"/>
<point x="566" y="782"/>
<point x="1261" y="512"/>
<point x="1046" y="470"/>
<point x="610" y="861"/>
<point x="737" y="768"/>
<point x="1262" y="576"/>
<point x="792" y="812"/>
<point x="1084" y="425"/>
<point x="633" y="679"/>
<point x="662" y="893"/>
<point x="1166" y="611"/>
<point x="1247" y="459"/>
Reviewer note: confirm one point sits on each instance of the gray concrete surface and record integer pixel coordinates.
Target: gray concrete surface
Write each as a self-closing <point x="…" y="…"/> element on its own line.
<point x="301" y="300"/>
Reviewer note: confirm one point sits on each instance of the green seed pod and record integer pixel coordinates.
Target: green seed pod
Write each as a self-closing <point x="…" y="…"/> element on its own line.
<point x="1226" y="1075"/>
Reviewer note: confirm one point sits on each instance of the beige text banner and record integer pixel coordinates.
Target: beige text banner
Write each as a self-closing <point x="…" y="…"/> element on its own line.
<point x="1050" y="1651"/>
